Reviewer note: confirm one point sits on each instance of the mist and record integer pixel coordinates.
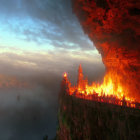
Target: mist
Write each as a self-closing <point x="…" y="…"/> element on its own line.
<point x="29" y="91"/>
<point x="39" y="41"/>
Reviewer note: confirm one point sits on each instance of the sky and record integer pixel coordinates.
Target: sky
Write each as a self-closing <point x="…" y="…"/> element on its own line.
<point x="39" y="41"/>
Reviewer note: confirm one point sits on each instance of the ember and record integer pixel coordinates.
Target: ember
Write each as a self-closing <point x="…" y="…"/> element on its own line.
<point x="108" y="91"/>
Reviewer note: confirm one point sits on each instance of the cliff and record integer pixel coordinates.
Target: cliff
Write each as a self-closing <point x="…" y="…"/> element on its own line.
<point x="81" y="119"/>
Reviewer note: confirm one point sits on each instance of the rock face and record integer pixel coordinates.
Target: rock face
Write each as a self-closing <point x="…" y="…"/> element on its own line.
<point x="114" y="27"/>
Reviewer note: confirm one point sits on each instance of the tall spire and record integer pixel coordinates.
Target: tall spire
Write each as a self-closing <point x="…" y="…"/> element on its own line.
<point x="80" y="69"/>
<point x="80" y="77"/>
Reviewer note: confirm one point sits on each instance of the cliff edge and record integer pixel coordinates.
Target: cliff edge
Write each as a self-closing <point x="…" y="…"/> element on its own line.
<point x="81" y="119"/>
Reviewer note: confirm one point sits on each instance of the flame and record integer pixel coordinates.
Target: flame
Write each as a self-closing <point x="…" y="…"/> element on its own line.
<point x="107" y="88"/>
<point x="65" y="75"/>
<point x="110" y="91"/>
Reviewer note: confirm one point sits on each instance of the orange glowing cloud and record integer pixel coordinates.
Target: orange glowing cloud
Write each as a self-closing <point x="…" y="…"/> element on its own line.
<point x="12" y="82"/>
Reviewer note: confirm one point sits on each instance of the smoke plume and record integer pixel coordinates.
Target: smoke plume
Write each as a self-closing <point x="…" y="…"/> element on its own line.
<point x="113" y="26"/>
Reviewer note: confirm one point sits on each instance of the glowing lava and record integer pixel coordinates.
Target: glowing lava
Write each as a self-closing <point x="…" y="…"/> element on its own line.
<point x="110" y="91"/>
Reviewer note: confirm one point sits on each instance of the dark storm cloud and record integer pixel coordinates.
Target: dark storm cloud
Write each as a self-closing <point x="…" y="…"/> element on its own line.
<point x="54" y="22"/>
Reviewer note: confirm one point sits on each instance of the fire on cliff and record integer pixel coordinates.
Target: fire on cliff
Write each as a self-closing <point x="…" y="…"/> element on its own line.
<point x="107" y="91"/>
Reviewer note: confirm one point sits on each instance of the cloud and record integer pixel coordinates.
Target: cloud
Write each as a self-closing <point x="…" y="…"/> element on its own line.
<point x="45" y="21"/>
<point x="46" y="61"/>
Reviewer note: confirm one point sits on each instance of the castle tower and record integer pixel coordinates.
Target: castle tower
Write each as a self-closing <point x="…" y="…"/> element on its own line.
<point x="80" y="82"/>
